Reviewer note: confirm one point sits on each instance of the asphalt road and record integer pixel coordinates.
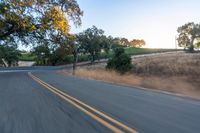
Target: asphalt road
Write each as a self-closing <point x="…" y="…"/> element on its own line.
<point x="29" y="107"/>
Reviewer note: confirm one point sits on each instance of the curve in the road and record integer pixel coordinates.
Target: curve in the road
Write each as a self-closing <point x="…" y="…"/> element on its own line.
<point x="85" y="108"/>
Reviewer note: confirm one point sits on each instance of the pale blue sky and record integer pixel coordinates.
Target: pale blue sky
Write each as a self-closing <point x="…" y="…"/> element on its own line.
<point x="155" y="21"/>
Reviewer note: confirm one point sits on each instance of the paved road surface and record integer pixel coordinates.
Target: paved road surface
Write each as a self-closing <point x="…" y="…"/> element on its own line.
<point x="28" y="107"/>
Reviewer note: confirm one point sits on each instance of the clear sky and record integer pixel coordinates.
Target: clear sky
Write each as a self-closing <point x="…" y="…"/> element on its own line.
<point x="155" y="21"/>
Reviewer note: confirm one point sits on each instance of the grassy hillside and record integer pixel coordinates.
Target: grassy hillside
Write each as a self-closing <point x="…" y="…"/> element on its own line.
<point x="81" y="58"/>
<point x="174" y="72"/>
<point x="138" y="51"/>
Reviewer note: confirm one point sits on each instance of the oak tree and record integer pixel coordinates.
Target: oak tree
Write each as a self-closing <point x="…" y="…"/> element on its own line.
<point x="137" y="43"/>
<point x="91" y="41"/>
<point x="187" y="34"/>
<point x="30" y="20"/>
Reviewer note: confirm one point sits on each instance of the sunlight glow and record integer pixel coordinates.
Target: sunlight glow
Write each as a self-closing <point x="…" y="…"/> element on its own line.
<point x="155" y="21"/>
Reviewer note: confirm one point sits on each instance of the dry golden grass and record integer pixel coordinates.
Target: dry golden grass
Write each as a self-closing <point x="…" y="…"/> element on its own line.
<point x="173" y="84"/>
<point x="109" y="76"/>
<point x="174" y="64"/>
<point x="178" y="73"/>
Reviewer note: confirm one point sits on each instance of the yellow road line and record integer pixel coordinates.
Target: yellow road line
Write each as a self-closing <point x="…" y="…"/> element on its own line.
<point x="53" y="89"/>
<point x="114" y="129"/>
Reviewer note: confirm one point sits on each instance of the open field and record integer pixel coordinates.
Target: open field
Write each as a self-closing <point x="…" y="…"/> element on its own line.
<point x="27" y="57"/>
<point x="177" y="73"/>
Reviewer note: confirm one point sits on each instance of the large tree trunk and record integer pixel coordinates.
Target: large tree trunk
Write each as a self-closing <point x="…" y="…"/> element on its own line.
<point x="191" y="47"/>
<point x="4" y="63"/>
<point x="93" y="59"/>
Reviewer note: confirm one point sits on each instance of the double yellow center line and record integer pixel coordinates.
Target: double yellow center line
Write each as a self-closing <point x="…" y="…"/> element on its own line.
<point x="90" y="111"/>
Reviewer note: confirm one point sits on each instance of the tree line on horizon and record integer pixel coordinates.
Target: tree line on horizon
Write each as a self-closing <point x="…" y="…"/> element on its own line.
<point x="91" y="42"/>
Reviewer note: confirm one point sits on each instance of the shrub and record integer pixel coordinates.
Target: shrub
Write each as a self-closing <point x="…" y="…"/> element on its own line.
<point x="120" y="61"/>
<point x="191" y="49"/>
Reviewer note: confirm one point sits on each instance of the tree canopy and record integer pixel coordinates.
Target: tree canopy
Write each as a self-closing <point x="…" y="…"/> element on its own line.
<point x="9" y="53"/>
<point x="32" y="20"/>
<point x="137" y="43"/>
<point x="187" y="34"/>
<point x="92" y="41"/>
<point x="124" y="42"/>
<point x="120" y="61"/>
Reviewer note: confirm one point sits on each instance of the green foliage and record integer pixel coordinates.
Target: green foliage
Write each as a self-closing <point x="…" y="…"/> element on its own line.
<point x="33" y="21"/>
<point x="124" y="42"/>
<point x="60" y="56"/>
<point x="120" y="62"/>
<point x="42" y="53"/>
<point x="190" y="48"/>
<point x="139" y="51"/>
<point x="52" y="54"/>
<point x="9" y="53"/>
<point x="92" y="41"/>
<point x="27" y="57"/>
<point x="1" y="54"/>
<point x="57" y="58"/>
<point x="197" y="44"/>
<point x="187" y="34"/>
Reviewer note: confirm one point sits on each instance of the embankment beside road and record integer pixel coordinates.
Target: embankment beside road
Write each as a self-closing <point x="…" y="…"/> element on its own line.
<point x="175" y="73"/>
